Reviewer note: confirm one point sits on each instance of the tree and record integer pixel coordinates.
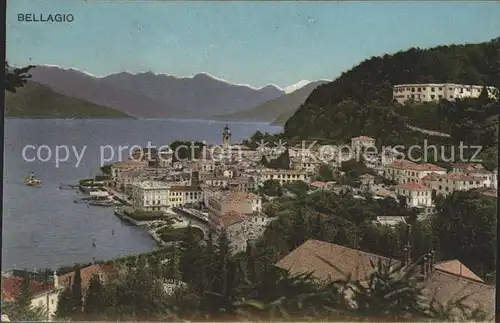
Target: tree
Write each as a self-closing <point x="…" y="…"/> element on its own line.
<point x="325" y="173"/>
<point x="191" y="258"/>
<point x="272" y="187"/>
<point x="65" y="304"/>
<point x="16" y="78"/>
<point x="76" y="290"/>
<point x="465" y="228"/>
<point x="94" y="302"/>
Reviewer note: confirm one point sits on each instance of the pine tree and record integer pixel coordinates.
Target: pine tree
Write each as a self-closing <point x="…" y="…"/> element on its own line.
<point x="76" y="290"/>
<point x="22" y="304"/>
<point x="94" y="301"/>
<point x="222" y="270"/>
<point x="191" y="258"/>
<point x="65" y="304"/>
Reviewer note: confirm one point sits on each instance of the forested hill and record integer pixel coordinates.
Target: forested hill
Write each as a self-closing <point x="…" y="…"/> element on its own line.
<point x="372" y="80"/>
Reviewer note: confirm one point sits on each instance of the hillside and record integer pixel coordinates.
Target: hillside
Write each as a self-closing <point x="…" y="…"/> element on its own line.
<point x="37" y="101"/>
<point x="372" y="80"/>
<point x="271" y="110"/>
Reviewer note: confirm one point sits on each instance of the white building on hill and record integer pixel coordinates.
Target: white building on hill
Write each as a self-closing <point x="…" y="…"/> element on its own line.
<point x="433" y="92"/>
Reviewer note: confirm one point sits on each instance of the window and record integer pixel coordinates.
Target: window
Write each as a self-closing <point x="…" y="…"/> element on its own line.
<point x="450" y="88"/>
<point x="418" y="89"/>
<point x="413" y="89"/>
<point x="433" y="89"/>
<point x="432" y="96"/>
<point x="451" y="96"/>
<point x="412" y="96"/>
<point x="440" y="96"/>
<point x="440" y="89"/>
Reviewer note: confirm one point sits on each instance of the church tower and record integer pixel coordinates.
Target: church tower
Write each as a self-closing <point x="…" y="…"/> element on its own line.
<point x="226" y="137"/>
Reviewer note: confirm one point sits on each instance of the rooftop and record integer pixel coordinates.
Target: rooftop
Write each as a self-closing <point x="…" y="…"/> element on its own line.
<point x="413" y="187"/>
<point x="229" y="218"/>
<point x="153" y="185"/>
<point x="448" y="282"/>
<point x="408" y="165"/>
<point x="11" y="287"/>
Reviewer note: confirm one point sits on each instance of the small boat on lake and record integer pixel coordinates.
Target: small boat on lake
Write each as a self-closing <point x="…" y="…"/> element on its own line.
<point x="32" y="181"/>
<point x="105" y="203"/>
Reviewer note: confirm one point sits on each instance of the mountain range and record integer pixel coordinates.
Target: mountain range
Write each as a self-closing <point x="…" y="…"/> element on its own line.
<point x="280" y="109"/>
<point x="150" y="95"/>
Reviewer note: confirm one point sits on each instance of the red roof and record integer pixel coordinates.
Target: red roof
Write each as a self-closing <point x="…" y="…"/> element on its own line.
<point x="451" y="176"/>
<point x="412" y="187"/>
<point x="11" y="287"/>
<point x="406" y="164"/>
<point x="467" y="166"/>
<point x="431" y="177"/>
<point x="86" y="274"/>
<point x="458" y="176"/>
<point x="319" y="184"/>
<point x="185" y="188"/>
<point x="231" y="217"/>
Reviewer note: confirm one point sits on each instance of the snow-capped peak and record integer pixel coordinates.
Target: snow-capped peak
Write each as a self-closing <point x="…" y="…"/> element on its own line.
<point x="296" y="86"/>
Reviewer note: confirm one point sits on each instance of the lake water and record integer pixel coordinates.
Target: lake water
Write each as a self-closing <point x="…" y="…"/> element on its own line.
<point x="42" y="227"/>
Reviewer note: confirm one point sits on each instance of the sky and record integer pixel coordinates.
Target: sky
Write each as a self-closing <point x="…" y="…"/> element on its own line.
<point x="255" y="43"/>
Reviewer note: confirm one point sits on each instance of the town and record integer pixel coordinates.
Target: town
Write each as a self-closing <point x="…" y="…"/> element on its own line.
<point x="227" y="193"/>
<point x="311" y="162"/>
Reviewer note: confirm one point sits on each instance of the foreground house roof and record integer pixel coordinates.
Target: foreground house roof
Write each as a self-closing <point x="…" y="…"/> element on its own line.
<point x="11" y="287"/>
<point x="449" y="281"/>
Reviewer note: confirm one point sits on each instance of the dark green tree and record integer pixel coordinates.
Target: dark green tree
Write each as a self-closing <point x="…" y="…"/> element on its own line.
<point x="65" y="304"/>
<point x="76" y="290"/>
<point x="94" y="300"/>
<point x="325" y="173"/>
<point x="272" y="187"/>
<point x="16" y="77"/>
<point x="465" y="228"/>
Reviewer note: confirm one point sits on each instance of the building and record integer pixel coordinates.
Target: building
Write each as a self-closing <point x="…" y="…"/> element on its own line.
<point x="44" y="296"/>
<point x="207" y="166"/>
<point x="405" y="171"/>
<point x="240" y="228"/>
<point x="118" y="168"/>
<point x="417" y="195"/>
<point x="450" y="182"/>
<point x="151" y="195"/>
<point x="489" y="179"/>
<point x="180" y="195"/>
<point x="367" y="181"/>
<point x="103" y="272"/>
<point x="432" y="92"/>
<point x="466" y="167"/>
<point x="444" y="281"/>
<point x="362" y="142"/>
<point x="306" y="164"/>
<point x="283" y="175"/>
<point x="240" y="202"/>
<point x="226" y="138"/>
<point x="242" y="184"/>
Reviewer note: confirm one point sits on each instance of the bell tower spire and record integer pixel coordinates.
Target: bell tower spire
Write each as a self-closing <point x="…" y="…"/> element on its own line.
<point x="226" y="137"/>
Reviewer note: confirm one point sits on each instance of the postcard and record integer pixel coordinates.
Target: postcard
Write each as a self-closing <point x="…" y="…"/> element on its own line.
<point x="250" y="161"/>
